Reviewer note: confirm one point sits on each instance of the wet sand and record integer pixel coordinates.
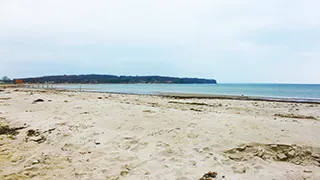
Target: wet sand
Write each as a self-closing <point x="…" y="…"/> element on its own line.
<point x="73" y="135"/>
<point x="246" y="98"/>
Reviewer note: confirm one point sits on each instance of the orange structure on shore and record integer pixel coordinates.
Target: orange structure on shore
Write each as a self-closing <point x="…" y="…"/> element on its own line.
<point x="18" y="81"/>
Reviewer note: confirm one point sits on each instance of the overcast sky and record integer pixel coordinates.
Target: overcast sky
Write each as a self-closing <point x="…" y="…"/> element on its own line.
<point x="229" y="40"/>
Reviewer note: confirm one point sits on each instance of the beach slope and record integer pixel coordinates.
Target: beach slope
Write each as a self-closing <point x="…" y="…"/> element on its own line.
<point x="47" y="134"/>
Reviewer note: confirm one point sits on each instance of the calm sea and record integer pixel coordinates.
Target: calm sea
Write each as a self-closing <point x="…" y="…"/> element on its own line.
<point x="303" y="91"/>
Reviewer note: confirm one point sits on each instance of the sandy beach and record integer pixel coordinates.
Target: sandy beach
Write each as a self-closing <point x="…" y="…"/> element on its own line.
<point x="48" y="134"/>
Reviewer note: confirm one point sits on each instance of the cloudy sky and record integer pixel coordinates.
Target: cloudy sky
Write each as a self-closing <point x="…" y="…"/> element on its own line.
<point x="229" y="40"/>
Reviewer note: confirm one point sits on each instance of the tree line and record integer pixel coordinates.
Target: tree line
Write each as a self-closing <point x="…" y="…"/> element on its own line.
<point x="112" y="79"/>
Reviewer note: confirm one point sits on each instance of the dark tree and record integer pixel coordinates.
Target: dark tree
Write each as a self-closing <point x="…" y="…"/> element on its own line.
<point x="6" y="79"/>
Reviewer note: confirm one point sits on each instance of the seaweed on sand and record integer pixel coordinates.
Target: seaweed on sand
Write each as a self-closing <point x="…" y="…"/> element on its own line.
<point x="5" y="129"/>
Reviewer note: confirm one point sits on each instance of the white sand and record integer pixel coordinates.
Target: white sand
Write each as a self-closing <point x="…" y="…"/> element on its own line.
<point x="149" y="137"/>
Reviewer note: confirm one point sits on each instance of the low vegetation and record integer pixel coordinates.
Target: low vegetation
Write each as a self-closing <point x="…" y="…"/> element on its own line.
<point x="295" y="116"/>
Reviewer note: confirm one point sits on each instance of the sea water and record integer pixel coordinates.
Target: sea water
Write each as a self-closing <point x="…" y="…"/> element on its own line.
<point x="303" y="91"/>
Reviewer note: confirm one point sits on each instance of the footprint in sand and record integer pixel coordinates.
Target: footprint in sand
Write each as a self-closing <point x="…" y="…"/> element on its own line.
<point x="139" y="146"/>
<point x="132" y="144"/>
<point x="161" y="132"/>
<point x="69" y="147"/>
<point x="137" y="128"/>
<point x="192" y="125"/>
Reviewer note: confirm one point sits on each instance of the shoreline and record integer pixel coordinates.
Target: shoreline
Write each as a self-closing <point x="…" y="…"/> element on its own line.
<point x="182" y="95"/>
<point x="199" y="96"/>
<point x="244" y="98"/>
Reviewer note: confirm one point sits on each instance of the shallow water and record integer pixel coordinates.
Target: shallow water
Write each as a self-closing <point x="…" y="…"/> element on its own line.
<point x="305" y="91"/>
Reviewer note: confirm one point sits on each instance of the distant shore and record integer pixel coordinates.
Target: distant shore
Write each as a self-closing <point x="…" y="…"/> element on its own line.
<point x="101" y="78"/>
